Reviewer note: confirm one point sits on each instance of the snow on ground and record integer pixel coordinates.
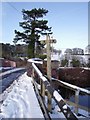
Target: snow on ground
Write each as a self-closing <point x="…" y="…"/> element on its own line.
<point x="21" y="102"/>
<point x="56" y="111"/>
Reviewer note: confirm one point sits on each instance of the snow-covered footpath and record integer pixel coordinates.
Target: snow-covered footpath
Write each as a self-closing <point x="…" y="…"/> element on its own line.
<point x="21" y="102"/>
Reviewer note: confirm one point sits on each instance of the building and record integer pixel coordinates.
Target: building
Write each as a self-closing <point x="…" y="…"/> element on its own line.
<point x="77" y="54"/>
<point x="68" y="51"/>
<point x="77" y="51"/>
<point x="87" y="50"/>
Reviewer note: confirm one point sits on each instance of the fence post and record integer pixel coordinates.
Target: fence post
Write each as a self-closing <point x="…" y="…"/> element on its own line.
<point x="42" y="89"/>
<point x="49" y="101"/>
<point x="32" y="75"/>
<point x="76" y="100"/>
<point x="48" y="57"/>
<point x="49" y="104"/>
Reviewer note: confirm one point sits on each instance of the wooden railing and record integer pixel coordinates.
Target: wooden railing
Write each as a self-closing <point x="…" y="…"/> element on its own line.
<point x="45" y="87"/>
<point x="77" y="91"/>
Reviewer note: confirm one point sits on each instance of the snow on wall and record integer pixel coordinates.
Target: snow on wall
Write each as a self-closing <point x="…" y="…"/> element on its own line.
<point x="11" y="71"/>
<point x="21" y="102"/>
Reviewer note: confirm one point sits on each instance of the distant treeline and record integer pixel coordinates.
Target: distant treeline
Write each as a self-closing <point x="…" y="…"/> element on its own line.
<point x="9" y="51"/>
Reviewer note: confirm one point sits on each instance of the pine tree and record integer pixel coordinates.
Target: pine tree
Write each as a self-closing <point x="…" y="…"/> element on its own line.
<point x="33" y="27"/>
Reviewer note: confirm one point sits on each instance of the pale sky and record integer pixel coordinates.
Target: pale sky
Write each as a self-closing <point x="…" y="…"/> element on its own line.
<point x="69" y="21"/>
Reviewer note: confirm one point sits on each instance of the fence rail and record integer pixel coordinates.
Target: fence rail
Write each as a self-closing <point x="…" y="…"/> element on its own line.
<point x="77" y="91"/>
<point x="51" y="93"/>
<point x="72" y="87"/>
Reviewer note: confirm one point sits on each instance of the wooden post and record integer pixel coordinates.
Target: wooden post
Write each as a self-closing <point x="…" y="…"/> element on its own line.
<point x="49" y="104"/>
<point x="42" y="90"/>
<point x="76" y="100"/>
<point x="48" y="57"/>
<point x="33" y="75"/>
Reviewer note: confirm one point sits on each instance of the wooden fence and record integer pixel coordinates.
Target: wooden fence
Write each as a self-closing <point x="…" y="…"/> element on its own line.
<point x="45" y="86"/>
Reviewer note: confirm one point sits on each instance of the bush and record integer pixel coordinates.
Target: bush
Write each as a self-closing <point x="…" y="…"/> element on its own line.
<point x="88" y="64"/>
<point x="75" y="63"/>
<point x="64" y="63"/>
<point x="41" y="56"/>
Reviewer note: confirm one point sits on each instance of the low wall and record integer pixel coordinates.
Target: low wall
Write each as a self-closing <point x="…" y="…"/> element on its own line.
<point x="7" y="63"/>
<point x="75" y="76"/>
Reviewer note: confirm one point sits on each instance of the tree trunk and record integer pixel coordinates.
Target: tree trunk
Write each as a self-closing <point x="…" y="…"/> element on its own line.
<point x="31" y="48"/>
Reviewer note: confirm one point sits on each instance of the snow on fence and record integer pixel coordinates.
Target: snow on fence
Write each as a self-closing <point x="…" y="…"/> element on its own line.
<point x="22" y="101"/>
<point x="51" y="93"/>
<point x="77" y="91"/>
<point x="77" y="108"/>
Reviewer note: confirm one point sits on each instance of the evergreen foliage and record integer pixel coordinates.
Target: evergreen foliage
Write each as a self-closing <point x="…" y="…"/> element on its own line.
<point x="64" y="63"/>
<point x="75" y="63"/>
<point x="33" y="27"/>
